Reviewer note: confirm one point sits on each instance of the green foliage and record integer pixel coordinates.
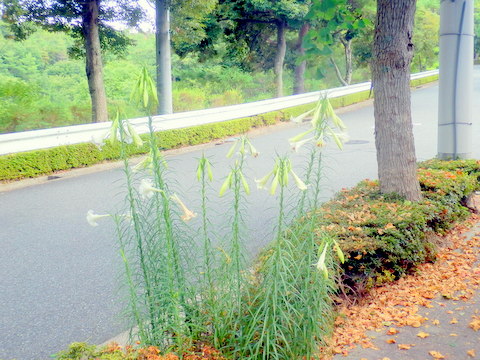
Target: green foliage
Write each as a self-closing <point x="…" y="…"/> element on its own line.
<point x="42" y="162"/>
<point x="385" y="236"/>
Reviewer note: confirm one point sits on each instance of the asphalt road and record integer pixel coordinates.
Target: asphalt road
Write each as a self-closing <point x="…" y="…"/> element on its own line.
<point x="59" y="277"/>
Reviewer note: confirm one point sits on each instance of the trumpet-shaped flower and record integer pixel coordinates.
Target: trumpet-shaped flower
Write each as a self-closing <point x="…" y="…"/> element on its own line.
<point x="321" y="266"/>
<point x="300" y="184"/>
<point x="339" y="251"/>
<point x="187" y="213"/>
<point x="92" y="217"/>
<point x="296" y="145"/>
<point x="227" y="184"/>
<point x="147" y="189"/>
<point x="137" y="140"/>
<point x="263" y="181"/>
<point x="300" y="136"/>
<point x="147" y="162"/>
<point x="281" y="171"/>
<point x="234" y="175"/>
<point x="244" y="146"/>
<point x="204" y="166"/>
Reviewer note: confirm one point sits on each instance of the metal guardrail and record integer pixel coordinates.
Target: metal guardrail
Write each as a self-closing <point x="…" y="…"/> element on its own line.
<point x="47" y="138"/>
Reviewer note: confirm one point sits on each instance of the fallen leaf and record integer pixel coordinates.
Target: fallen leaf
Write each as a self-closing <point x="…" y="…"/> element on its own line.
<point x="392" y="331"/>
<point x="453" y="334"/>
<point x="405" y="346"/>
<point x="471" y="353"/>
<point x="454" y="321"/>
<point x="436" y="322"/>
<point x="475" y="323"/>
<point x="436" y="355"/>
<point x="390" y="341"/>
<point x="423" y="335"/>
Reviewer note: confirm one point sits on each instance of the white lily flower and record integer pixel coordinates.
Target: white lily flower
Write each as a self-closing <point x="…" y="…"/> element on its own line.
<point x="300" y="184"/>
<point x="321" y="266"/>
<point x="296" y="145"/>
<point x="99" y="139"/>
<point x="187" y="213"/>
<point x="147" y="189"/>
<point x="92" y="217"/>
<point x="339" y="251"/>
<point x="300" y="136"/>
<point x="263" y="181"/>
<point x="227" y="184"/>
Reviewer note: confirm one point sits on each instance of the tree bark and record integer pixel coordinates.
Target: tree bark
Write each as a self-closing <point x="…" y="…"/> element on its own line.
<point x="163" y="57"/>
<point x="338" y="72"/>
<point x="280" y="56"/>
<point x="299" y="79"/>
<point x="94" y="66"/>
<point x="347" y="45"/>
<point x="392" y="56"/>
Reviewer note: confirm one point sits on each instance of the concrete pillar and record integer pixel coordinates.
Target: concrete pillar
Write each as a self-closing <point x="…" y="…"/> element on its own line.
<point x="456" y="79"/>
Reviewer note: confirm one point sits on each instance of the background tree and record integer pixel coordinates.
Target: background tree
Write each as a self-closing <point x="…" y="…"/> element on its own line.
<point x="392" y="56"/>
<point x="253" y="22"/>
<point x="87" y="22"/>
<point x="336" y="22"/>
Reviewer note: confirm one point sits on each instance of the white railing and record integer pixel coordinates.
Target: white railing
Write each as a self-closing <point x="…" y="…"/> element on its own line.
<point x="47" y="138"/>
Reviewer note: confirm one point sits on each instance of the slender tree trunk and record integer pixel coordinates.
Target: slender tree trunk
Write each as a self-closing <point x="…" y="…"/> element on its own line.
<point x="392" y="56"/>
<point x="338" y="72"/>
<point x="347" y="45"/>
<point x="299" y="80"/>
<point x="163" y="57"/>
<point x="280" y="56"/>
<point x="94" y="66"/>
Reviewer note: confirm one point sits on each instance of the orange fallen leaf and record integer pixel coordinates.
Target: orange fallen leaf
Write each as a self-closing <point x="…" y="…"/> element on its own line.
<point x="454" y="321"/>
<point x="392" y="331"/>
<point x="475" y="323"/>
<point x="405" y="346"/>
<point x="436" y="322"/>
<point x="436" y="355"/>
<point x="390" y="341"/>
<point x="471" y="353"/>
<point x="423" y="335"/>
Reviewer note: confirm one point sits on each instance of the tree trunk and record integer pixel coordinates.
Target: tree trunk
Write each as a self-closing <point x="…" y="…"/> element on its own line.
<point x="299" y="79"/>
<point x="280" y="56"/>
<point x="163" y="57"/>
<point x="94" y="66"/>
<point x="347" y="45"/>
<point x="338" y="72"/>
<point x="392" y="55"/>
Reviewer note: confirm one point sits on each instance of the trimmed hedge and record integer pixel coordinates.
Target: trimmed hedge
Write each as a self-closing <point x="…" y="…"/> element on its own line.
<point x="46" y="161"/>
<point x="385" y="236"/>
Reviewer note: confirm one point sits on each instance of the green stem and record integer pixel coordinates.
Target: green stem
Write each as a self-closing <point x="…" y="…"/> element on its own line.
<point x="137" y="231"/>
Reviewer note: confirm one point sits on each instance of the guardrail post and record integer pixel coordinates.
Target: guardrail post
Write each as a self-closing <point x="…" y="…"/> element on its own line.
<point x="456" y="79"/>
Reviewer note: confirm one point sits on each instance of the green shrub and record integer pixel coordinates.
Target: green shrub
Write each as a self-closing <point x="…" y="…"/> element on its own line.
<point x="384" y="236"/>
<point x="469" y="166"/>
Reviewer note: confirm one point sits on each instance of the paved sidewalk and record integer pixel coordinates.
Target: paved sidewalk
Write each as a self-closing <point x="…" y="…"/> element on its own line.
<point x="440" y="324"/>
